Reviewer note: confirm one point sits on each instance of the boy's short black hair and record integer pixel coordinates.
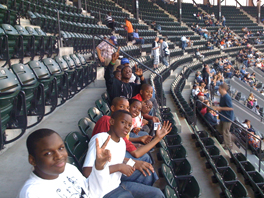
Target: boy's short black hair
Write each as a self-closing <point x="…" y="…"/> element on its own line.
<point x="131" y="101"/>
<point x="116" y="100"/>
<point x="115" y="72"/>
<point x="120" y="67"/>
<point x="118" y="113"/>
<point x="145" y="86"/>
<point x="35" y="137"/>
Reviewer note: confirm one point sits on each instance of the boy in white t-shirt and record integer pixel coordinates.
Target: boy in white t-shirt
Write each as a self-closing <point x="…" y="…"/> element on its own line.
<point x="54" y="178"/>
<point x="120" y="125"/>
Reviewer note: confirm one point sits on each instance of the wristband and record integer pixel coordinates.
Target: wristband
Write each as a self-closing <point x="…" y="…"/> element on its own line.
<point x="112" y="63"/>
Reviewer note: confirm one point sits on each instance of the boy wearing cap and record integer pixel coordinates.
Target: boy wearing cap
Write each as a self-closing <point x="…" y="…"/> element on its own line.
<point x="105" y="51"/>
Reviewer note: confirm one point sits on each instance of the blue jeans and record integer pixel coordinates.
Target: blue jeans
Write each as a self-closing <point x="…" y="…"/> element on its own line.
<point x="140" y="41"/>
<point x="140" y="134"/>
<point x="142" y="191"/>
<point x="184" y="45"/>
<point x="164" y="60"/>
<point x="223" y="23"/>
<point x="137" y="176"/>
<point x="119" y="192"/>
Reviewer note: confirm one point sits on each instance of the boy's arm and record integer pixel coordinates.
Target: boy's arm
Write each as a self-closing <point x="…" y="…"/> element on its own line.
<point x="166" y="128"/>
<point x="144" y="139"/>
<point x="109" y="76"/>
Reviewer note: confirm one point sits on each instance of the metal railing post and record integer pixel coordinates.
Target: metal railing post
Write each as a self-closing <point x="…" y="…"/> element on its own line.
<point x="100" y="16"/>
<point x="58" y="18"/>
<point x="94" y="48"/>
<point x="246" y="152"/>
<point x="260" y="155"/>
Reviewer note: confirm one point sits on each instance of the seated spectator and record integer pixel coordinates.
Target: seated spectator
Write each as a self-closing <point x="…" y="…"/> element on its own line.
<point x="209" y="45"/>
<point x="203" y="90"/>
<point x="146" y="93"/>
<point x="52" y="176"/>
<point x="195" y="91"/>
<point x="105" y="51"/>
<point x="120" y="124"/>
<point x="110" y="21"/>
<point x="198" y="54"/>
<point x="210" y="116"/>
<point x="189" y="42"/>
<point x="155" y="26"/>
<point x="184" y="42"/>
<point x="229" y="70"/>
<point x="243" y="71"/>
<point x="138" y="40"/>
<point x="256" y="109"/>
<point x="117" y="88"/>
<point x="252" y="136"/>
<point x="198" y="77"/>
<point x="251" y="101"/>
<point x="204" y="108"/>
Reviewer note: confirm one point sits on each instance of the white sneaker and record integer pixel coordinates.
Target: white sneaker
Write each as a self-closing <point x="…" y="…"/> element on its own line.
<point x="133" y="42"/>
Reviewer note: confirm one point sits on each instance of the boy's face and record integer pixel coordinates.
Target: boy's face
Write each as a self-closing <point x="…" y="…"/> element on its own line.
<point x="122" y="104"/>
<point x="147" y="93"/>
<point x="50" y="157"/>
<point x="118" y="75"/>
<point x="146" y="107"/>
<point x="135" y="109"/>
<point x="121" y="125"/>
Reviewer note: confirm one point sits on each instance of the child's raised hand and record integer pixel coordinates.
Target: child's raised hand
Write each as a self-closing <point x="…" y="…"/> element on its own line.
<point x="102" y="155"/>
<point x="146" y="139"/>
<point x="166" y="128"/>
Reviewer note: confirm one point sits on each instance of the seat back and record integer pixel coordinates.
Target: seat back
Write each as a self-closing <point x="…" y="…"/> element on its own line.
<point x="69" y="61"/>
<point x="52" y="66"/>
<point x="76" y="60"/>
<point x="165" y="156"/>
<point x="77" y="146"/>
<point x="81" y="58"/>
<point x="21" y="30"/>
<point x="40" y="32"/>
<point x="8" y="82"/>
<point x="168" y="174"/>
<point x="103" y="107"/>
<point x="169" y="192"/>
<point x="24" y="74"/>
<point x="39" y="69"/>
<point x="10" y="30"/>
<point x="86" y="126"/>
<point x="94" y="114"/>
<point x="32" y="31"/>
<point x="61" y="62"/>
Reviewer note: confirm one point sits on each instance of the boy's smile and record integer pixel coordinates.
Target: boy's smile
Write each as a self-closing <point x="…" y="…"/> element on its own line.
<point x="50" y="157"/>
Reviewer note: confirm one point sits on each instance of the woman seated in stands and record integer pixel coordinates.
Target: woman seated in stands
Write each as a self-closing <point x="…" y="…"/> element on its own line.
<point x="211" y="117"/>
<point x="251" y="101"/>
<point x="204" y="108"/>
<point x="252" y="137"/>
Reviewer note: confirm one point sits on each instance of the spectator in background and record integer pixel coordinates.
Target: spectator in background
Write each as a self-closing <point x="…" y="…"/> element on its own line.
<point x="155" y="52"/>
<point x="105" y="51"/>
<point x="223" y="20"/>
<point x="198" y="77"/>
<point x="210" y="116"/>
<point x="129" y="29"/>
<point x="204" y="108"/>
<point x="207" y="78"/>
<point x="251" y="101"/>
<point x="212" y="16"/>
<point x="209" y="45"/>
<point x="226" y="109"/>
<point x="195" y="91"/>
<point x="110" y="21"/>
<point x="256" y="109"/>
<point x="189" y="42"/>
<point x="164" y="52"/>
<point x="155" y="26"/>
<point x="137" y="40"/>
<point x="198" y="54"/>
<point x="184" y="42"/>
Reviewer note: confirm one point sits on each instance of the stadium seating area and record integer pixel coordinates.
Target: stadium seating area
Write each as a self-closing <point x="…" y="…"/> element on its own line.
<point x="35" y="80"/>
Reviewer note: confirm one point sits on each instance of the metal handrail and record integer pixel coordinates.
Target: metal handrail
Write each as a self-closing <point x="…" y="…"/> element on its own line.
<point x="146" y="67"/>
<point x="237" y="125"/>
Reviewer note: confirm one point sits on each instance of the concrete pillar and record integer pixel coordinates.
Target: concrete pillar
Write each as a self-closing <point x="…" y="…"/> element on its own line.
<point x="180" y="10"/>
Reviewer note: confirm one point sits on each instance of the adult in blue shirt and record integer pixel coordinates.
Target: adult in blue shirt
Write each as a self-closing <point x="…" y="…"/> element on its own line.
<point x="226" y="109"/>
<point x="138" y="40"/>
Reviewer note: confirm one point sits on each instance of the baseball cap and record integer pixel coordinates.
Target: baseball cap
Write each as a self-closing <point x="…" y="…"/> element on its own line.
<point x="113" y="38"/>
<point x="124" y="61"/>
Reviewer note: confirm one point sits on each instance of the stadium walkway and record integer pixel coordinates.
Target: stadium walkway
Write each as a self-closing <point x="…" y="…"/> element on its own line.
<point x="14" y="167"/>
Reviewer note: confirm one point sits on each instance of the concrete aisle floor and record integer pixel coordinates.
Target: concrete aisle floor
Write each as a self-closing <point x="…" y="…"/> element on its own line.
<point x="14" y="166"/>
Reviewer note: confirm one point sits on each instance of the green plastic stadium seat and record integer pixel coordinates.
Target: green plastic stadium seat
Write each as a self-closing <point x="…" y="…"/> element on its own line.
<point x="173" y="140"/>
<point x="79" y="69"/>
<point x="77" y="146"/>
<point x="4" y="51"/>
<point x="105" y="98"/>
<point x="34" y="91"/>
<point x="175" y="152"/>
<point x="39" y="42"/>
<point x="49" y="82"/>
<point x="186" y="186"/>
<point x="227" y="173"/>
<point x="178" y="166"/>
<point x="236" y="188"/>
<point x="15" y="42"/>
<point x="103" y="107"/>
<point x="94" y="114"/>
<point x="72" y="75"/>
<point x="169" y="192"/>
<point x="86" y="126"/>
<point x="61" y="76"/>
<point x="12" y="105"/>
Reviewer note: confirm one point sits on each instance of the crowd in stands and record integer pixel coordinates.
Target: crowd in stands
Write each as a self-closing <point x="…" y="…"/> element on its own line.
<point x="117" y="161"/>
